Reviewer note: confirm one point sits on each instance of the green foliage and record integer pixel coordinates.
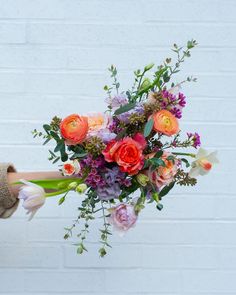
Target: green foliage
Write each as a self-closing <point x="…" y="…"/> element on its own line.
<point x="125" y="108"/>
<point x="166" y="189"/>
<point x="148" y="127"/>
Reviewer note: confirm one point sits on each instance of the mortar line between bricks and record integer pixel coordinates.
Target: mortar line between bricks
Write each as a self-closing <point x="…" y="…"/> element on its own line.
<point x="112" y="22"/>
<point x="164" y="48"/>
<point x="81" y="71"/>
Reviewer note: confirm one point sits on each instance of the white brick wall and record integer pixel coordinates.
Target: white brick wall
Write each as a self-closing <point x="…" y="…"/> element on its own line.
<point x="53" y="60"/>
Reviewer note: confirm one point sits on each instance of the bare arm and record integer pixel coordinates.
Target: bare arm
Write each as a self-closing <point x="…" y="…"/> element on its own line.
<point x="9" y="192"/>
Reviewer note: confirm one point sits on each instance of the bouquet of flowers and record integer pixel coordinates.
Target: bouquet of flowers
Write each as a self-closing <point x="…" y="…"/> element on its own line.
<point x="125" y="158"/>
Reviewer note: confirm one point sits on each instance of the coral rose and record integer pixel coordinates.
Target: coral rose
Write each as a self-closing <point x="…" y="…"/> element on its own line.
<point x="165" y="122"/>
<point x="164" y="175"/>
<point x="74" y="129"/>
<point x="127" y="153"/>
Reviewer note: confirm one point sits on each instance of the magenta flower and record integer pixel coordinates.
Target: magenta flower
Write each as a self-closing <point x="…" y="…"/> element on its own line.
<point x="195" y="138"/>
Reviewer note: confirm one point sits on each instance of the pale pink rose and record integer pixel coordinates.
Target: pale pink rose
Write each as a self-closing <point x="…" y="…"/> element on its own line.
<point x="97" y="121"/>
<point x="164" y="175"/>
<point x="123" y="216"/>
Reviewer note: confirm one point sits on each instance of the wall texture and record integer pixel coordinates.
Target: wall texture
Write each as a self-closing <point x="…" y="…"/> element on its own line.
<point x="53" y="60"/>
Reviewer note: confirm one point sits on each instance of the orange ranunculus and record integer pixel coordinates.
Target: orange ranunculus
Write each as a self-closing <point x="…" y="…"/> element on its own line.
<point x="74" y="129"/>
<point x="127" y="153"/>
<point x="165" y="122"/>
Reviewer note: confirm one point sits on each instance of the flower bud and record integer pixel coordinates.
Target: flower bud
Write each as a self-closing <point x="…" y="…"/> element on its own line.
<point x="72" y="185"/>
<point x="81" y="188"/>
<point x="148" y="67"/>
<point x="142" y="179"/>
<point x="146" y="83"/>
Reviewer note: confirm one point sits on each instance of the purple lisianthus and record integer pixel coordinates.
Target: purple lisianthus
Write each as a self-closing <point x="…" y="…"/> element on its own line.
<point x="106" y="135"/>
<point x="108" y="192"/>
<point x="138" y="109"/>
<point x="117" y="101"/>
<point x="113" y="179"/>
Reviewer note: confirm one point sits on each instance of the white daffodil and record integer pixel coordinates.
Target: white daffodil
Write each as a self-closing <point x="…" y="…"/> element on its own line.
<point x="33" y="197"/>
<point x="203" y="163"/>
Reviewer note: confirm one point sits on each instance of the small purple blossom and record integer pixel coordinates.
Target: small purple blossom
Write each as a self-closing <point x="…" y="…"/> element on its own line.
<point x="173" y="103"/>
<point x="114" y="126"/>
<point x="195" y="138"/>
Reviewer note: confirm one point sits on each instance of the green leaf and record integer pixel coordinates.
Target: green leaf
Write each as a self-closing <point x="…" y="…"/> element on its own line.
<point x="47" y="127"/>
<point x="52" y="154"/>
<point x="62" y="200"/>
<point x="47" y="140"/>
<point x="79" y="155"/>
<point x="159" y="206"/>
<point x="55" y="136"/>
<point x="125" y="108"/>
<point x="64" y="157"/>
<point x="158" y="154"/>
<point x="60" y="146"/>
<point x="186" y="162"/>
<point x="157" y="162"/>
<point x="148" y="127"/>
<point x="166" y="189"/>
<point x="56" y="160"/>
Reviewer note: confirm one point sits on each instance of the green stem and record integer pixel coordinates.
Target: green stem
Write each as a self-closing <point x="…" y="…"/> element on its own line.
<point x="48" y="195"/>
<point x="185" y="154"/>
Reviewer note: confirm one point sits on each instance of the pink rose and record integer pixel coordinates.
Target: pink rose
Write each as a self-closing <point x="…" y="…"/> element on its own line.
<point x="164" y="175"/>
<point x="123" y="216"/>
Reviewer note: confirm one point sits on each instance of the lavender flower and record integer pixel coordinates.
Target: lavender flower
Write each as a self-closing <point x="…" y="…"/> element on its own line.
<point x="138" y="109"/>
<point x="109" y="192"/>
<point x="117" y="101"/>
<point x="113" y="179"/>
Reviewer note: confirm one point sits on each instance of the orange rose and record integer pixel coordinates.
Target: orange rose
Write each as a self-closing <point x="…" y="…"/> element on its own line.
<point x="165" y="122"/>
<point x="74" y="129"/>
<point x="163" y="175"/>
<point x="127" y="153"/>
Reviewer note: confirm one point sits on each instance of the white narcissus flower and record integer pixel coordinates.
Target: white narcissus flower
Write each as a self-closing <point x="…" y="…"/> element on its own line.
<point x="203" y="163"/>
<point x="33" y="196"/>
<point x="71" y="167"/>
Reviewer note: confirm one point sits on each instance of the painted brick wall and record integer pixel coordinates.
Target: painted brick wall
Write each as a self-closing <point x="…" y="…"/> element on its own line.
<point x="53" y="60"/>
